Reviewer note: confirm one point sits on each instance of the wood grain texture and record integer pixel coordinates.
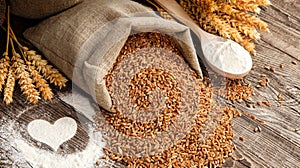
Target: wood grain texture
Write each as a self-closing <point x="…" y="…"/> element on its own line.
<point x="22" y="113"/>
<point x="278" y="144"/>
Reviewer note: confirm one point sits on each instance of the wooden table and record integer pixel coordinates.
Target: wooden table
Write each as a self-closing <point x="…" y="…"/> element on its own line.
<point x="278" y="143"/>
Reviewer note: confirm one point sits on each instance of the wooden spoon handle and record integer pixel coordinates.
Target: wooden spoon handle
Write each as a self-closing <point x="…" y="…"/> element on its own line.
<point x="210" y="41"/>
<point x="172" y="7"/>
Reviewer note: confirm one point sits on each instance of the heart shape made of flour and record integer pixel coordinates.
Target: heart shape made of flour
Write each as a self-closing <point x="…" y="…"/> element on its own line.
<point x="53" y="134"/>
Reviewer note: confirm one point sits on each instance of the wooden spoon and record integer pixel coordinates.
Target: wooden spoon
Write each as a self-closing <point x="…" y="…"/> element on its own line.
<point x="224" y="56"/>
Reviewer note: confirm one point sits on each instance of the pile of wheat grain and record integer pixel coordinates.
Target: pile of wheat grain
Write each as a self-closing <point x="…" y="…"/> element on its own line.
<point x="141" y="81"/>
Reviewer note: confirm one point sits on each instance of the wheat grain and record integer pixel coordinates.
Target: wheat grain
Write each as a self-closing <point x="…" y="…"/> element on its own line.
<point x="48" y="71"/>
<point x="25" y="81"/>
<point x="9" y="88"/>
<point x="41" y="83"/>
<point x="4" y="67"/>
<point x="190" y="150"/>
<point x="244" y="5"/>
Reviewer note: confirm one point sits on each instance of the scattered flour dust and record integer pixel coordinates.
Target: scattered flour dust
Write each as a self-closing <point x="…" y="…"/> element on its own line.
<point x="80" y="102"/>
<point x="41" y="158"/>
<point x="25" y="155"/>
<point x="18" y="153"/>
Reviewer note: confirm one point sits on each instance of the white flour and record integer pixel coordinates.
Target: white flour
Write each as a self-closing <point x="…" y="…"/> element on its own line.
<point x="41" y="158"/>
<point x="18" y="153"/>
<point x="81" y="103"/>
<point x="53" y="134"/>
<point x="228" y="57"/>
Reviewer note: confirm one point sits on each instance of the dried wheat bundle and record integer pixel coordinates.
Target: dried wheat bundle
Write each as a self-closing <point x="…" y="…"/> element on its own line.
<point x="232" y="19"/>
<point x="29" y="69"/>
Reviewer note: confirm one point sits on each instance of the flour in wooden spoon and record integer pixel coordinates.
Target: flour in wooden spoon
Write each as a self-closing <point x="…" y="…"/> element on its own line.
<point x="228" y="57"/>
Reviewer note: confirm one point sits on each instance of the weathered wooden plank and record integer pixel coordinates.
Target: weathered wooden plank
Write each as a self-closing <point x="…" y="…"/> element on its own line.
<point x="21" y="113"/>
<point x="268" y="148"/>
<point x="278" y="145"/>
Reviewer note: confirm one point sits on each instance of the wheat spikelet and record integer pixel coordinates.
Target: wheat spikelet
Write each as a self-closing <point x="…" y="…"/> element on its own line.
<point x="48" y="71"/>
<point x="243" y="16"/>
<point x="189" y="6"/>
<point x="194" y="11"/>
<point x="244" y="28"/>
<point x="25" y="81"/>
<point x="54" y="76"/>
<point x="40" y="83"/>
<point x="223" y="29"/>
<point x="203" y="5"/>
<point x="248" y="44"/>
<point x="9" y="89"/>
<point x="244" y="5"/>
<point x="207" y="27"/>
<point x="4" y="67"/>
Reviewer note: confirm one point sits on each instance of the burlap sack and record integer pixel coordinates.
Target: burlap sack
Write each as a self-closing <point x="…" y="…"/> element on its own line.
<point x="37" y="9"/>
<point x="85" y="41"/>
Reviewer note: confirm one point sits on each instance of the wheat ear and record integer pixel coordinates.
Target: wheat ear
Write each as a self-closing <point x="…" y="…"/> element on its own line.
<point x="25" y="82"/>
<point x="40" y="83"/>
<point x="48" y="71"/>
<point x="9" y="88"/>
<point x="4" y="67"/>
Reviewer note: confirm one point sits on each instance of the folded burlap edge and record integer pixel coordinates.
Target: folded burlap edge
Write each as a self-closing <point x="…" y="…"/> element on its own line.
<point x="138" y="24"/>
